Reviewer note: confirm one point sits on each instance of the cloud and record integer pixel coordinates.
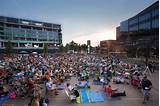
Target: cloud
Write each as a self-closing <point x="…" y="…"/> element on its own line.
<point x="94" y="37"/>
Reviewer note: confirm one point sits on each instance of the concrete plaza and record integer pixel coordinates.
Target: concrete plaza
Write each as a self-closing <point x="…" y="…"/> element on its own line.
<point x="133" y="98"/>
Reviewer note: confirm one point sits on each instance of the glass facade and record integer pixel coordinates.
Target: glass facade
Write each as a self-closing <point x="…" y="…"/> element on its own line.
<point x="155" y="12"/>
<point x="22" y="32"/>
<point x="155" y="23"/>
<point x="144" y="17"/>
<point x="124" y="26"/>
<point x="29" y="33"/>
<point x="133" y="21"/>
<point x="145" y="20"/>
<point x="133" y="28"/>
<point x="145" y="26"/>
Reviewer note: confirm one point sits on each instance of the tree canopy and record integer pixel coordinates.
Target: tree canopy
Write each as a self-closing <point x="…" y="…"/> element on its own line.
<point x="73" y="46"/>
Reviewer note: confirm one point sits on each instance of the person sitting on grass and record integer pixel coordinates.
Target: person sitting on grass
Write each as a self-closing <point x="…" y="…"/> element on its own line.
<point x="113" y="92"/>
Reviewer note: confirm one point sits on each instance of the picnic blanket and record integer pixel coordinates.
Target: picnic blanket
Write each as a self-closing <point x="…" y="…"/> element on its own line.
<point x="96" y="82"/>
<point x="84" y="96"/>
<point x="96" y="96"/>
<point x="92" y="96"/>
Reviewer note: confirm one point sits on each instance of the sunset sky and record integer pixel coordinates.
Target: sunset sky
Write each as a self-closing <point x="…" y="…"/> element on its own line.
<point x="81" y="20"/>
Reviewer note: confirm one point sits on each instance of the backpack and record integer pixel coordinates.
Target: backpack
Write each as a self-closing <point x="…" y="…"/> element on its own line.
<point x="44" y="102"/>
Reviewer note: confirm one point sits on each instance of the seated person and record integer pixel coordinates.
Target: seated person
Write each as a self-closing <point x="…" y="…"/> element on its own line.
<point x="83" y="84"/>
<point x="37" y="90"/>
<point x="113" y="92"/>
<point x="69" y="87"/>
<point x="51" y="86"/>
<point x="119" y="80"/>
<point x="76" y="93"/>
<point x="98" y="79"/>
<point x="3" y="92"/>
<point x="104" y="81"/>
<point x="135" y="81"/>
<point x="71" y="93"/>
<point x="30" y="86"/>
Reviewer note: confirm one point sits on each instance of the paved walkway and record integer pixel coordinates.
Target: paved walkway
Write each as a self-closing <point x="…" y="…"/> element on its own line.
<point x="133" y="98"/>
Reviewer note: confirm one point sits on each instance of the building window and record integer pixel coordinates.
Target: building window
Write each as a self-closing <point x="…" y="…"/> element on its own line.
<point x="144" y="17"/>
<point x="18" y="32"/>
<point x="145" y="26"/>
<point x="1" y="18"/>
<point x="155" y="13"/>
<point x="8" y="32"/>
<point x="155" y="23"/>
<point x="133" y="28"/>
<point x="47" y="25"/>
<point x="124" y="26"/>
<point x="133" y="21"/>
<point x="13" y="20"/>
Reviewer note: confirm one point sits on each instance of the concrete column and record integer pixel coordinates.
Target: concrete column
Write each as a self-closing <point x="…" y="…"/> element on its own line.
<point x="18" y="44"/>
<point x="25" y="35"/>
<point x="37" y="35"/>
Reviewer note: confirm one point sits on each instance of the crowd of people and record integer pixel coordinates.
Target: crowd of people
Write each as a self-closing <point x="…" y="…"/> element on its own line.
<point x="30" y="75"/>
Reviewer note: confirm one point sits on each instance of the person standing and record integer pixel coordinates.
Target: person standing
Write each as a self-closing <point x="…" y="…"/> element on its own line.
<point x="150" y="67"/>
<point x="146" y="87"/>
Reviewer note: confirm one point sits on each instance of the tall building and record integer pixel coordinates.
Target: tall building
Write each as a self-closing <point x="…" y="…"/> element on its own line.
<point x="141" y="30"/>
<point x="28" y="35"/>
<point x="89" y="46"/>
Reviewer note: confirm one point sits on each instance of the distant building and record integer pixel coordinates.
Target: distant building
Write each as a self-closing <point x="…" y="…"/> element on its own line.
<point x="141" y="30"/>
<point x="107" y="46"/>
<point x="29" y="35"/>
<point x="89" y="46"/>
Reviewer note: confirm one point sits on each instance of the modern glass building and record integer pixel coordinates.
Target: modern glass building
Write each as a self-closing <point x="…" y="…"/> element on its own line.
<point x="141" y="29"/>
<point x="29" y="35"/>
<point x="145" y="21"/>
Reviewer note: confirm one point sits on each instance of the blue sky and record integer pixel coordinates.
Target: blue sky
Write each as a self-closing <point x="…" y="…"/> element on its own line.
<point x="80" y="19"/>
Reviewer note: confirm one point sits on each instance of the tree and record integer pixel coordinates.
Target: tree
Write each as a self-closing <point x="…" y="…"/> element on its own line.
<point x="71" y="45"/>
<point x="45" y="49"/>
<point x="74" y="46"/>
<point x="61" y="48"/>
<point x="84" y="47"/>
<point x="9" y="48"/>
<point x="66" y="48"/>
<point x="79" y="48"/>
